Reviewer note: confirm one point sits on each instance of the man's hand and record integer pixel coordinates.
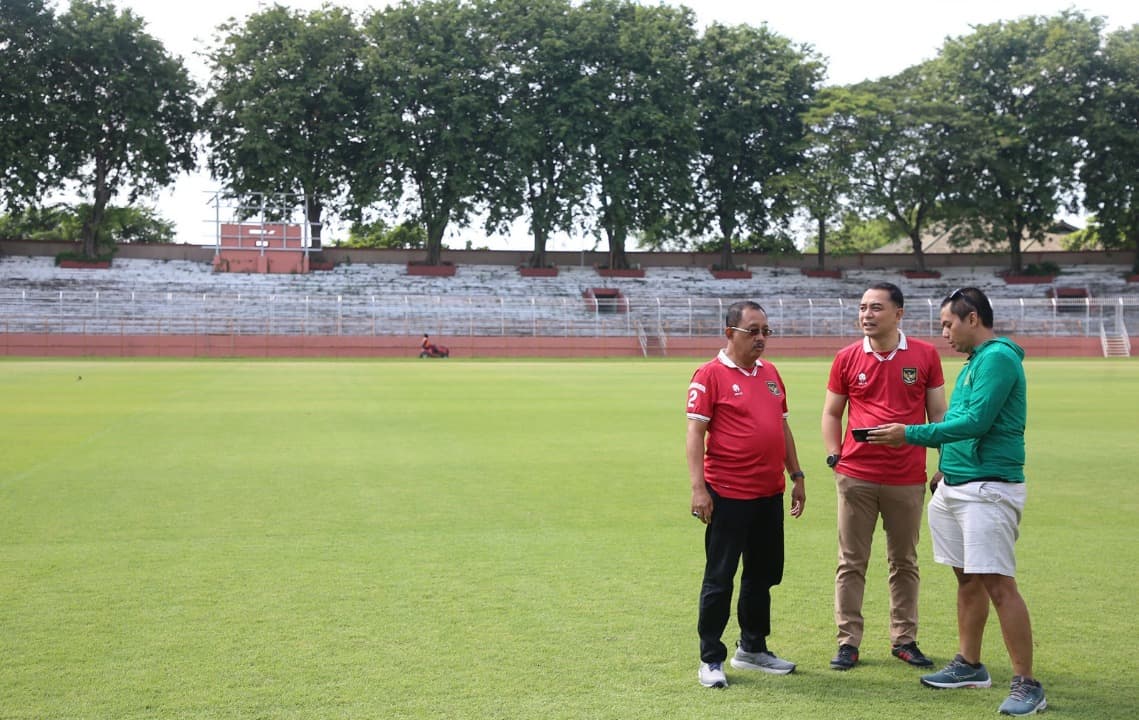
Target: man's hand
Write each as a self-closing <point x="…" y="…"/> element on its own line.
<point x="935" y="481"/>
<point x="892" y="434"/>
<point x="702" y="505"/>
<point x="798" y="498"/>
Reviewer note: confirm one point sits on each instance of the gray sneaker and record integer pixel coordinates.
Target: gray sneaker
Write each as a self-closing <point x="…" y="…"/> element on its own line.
<point x="958" y="674"/>
<point x="1026" y="697"/>
<point x="762" y="661"/>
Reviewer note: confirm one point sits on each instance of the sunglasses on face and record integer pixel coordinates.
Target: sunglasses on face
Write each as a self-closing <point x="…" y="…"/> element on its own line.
<point x="766" y="332"/>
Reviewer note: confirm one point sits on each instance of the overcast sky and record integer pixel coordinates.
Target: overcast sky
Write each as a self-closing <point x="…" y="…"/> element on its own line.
<point x="860" y="41"/>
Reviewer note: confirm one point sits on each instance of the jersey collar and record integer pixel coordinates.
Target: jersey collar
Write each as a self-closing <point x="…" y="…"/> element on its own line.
<point x="870" y="351"/>
<point x="723" y="358"/>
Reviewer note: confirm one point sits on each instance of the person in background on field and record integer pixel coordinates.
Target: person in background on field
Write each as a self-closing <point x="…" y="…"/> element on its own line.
<point x="428" y="349"/>
<point x="738" y="445"/>
<point x="974" y="517"/>
<point x="885" y="377"/>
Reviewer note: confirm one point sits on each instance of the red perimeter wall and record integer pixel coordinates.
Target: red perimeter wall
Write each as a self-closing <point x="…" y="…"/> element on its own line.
<point x="265" y="346"/>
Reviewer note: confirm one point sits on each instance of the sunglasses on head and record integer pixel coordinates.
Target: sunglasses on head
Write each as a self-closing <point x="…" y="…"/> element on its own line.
<point x="959" y="294"/>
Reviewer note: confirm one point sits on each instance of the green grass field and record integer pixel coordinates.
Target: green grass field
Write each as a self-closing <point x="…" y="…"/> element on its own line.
<point x="450" y="539"/>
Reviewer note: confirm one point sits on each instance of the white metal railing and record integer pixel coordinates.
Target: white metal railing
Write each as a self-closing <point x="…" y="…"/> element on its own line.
<point x="163" y="313"/>
<point x="642" y="340"/>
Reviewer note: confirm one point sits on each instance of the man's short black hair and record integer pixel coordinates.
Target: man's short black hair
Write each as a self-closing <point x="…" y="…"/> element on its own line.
<point x="896" y="296"/>
<point x="963" y="301"/>
<point x="736" y="311"/>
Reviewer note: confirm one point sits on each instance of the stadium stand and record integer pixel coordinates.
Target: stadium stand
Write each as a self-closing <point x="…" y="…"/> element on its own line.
<point x="139" y="296"/>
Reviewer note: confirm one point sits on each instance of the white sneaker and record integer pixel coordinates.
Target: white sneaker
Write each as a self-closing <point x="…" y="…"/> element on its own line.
<point x="762" y="661"/>
<point x="712" y="675"/>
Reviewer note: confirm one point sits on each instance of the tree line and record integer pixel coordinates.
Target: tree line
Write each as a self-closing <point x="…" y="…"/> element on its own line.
<point x="607" y="117"/>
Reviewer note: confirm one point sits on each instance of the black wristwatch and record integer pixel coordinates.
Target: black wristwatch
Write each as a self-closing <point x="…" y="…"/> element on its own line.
<point x="832" y="460"/>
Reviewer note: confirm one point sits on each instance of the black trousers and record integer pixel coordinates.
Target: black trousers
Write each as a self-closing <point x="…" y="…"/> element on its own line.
<point x="752" y="530"/>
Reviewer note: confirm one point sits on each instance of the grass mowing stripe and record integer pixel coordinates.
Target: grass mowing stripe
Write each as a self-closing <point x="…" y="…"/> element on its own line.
<point x="479" y="539"/>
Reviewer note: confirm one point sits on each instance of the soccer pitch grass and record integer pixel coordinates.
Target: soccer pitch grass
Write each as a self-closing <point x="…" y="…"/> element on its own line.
<point x="510" y="539"/>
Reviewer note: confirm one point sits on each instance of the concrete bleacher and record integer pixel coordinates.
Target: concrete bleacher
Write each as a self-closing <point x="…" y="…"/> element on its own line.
<point x="187" y="296"/>
<point x="183" y="276"/>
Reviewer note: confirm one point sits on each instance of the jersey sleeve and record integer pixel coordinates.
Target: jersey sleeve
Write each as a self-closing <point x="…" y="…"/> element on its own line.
<point x="782" y="391"/>
<point x="700" y="396"/>
<point x="836" y="382"/>
<point x="936" y="374"/>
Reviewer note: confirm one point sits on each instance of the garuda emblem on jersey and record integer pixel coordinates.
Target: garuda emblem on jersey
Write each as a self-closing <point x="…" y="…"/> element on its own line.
<point x="909" y="375"/>
<point x="773" y="387"/>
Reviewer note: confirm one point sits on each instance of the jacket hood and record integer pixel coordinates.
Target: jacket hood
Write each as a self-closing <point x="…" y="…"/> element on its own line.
<point x="1010" y="345"/>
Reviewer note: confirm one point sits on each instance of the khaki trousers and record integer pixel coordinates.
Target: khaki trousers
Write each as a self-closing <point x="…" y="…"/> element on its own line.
<point x="859" y="505"/>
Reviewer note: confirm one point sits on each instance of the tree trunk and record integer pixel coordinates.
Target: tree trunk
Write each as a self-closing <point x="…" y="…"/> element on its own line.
<point x="919" y="253"/>
<point x="822" y="242"/>
<point x="727" y="231"/>
<point x="90" y="231"/>
<point x="1014" y="235"/>
<point x="94" y="220"/>
<point x="617" y="258"/>
<point x="314" y="209"/>
<point x="538" y="257"/>
<point x="435" y="230"/>
<point x="726" y="261"/>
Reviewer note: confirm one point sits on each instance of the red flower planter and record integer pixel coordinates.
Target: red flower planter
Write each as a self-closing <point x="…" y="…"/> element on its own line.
<point x="85" y="264"/>
<point x="1028" y="279"/>
<point x="732" y="274"/>
<point x="444" y="270"/>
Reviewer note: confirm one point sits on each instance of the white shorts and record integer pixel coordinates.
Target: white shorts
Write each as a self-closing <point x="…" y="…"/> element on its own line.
<point x="975" y="526"/>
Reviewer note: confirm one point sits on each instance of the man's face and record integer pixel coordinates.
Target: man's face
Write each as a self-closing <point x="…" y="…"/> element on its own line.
<point x="878" y="316"/>
<point x="746" y="349"/>
<point x="958" y="331"/>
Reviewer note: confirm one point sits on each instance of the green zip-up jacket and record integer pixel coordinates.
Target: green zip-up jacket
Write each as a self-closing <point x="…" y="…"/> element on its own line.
<point x="982" y="433"/>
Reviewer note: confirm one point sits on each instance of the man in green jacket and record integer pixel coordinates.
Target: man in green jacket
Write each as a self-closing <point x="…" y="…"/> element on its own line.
<point x="974" y="516"/>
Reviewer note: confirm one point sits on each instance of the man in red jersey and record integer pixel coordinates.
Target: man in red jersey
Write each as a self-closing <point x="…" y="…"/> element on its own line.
<point x="884" y="378"/>
<point x="738" y="446"/>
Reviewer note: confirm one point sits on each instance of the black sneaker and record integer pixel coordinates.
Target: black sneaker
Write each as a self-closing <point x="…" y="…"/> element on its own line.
<point x="909" y="653"/>
<point x="846" y="659"/>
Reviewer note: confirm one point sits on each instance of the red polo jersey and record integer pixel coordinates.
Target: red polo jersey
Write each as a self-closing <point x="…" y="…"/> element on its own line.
<point x="744" y="449"/>
<point x="884" y="389"/>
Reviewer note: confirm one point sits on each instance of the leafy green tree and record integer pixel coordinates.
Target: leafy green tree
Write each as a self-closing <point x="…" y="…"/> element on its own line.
<point x="752" y="87"/>
<point x="65" y="222"/>
<point x="1087" y="238"/>
<point x="377" y="234"/>
<point x="138" y="225"/>
<point x="130" y="114"/>
<point x="283" y="111"/>
<point x="904" y="138"/>
<point x="1110" y="171"/>
<point x="642" y="116"/>
<point x="29" y="121"/>
<point x="857" y="234"/>
<point x="779" y="242"/>
<point x="1021" y="88"/>
<point x="545" y="169"/>
<point x="35" y="222"/>
<point x="432" y="114"/>
<point x="822" y="184"/>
